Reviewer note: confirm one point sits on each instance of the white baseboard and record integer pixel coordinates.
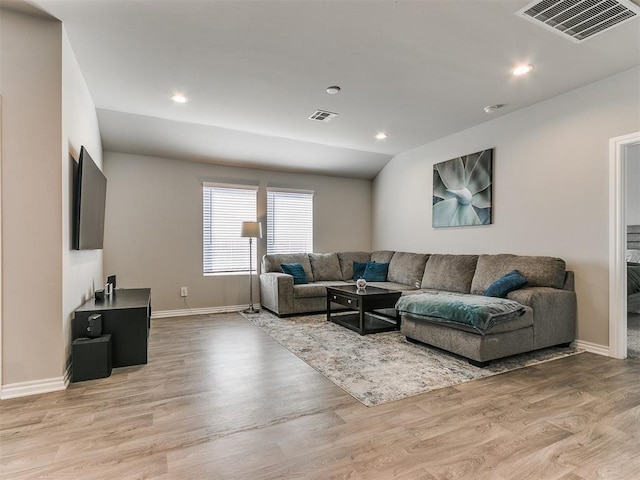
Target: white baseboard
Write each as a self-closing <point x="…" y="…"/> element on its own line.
<point x="593" y="347"/>
<point x="198" y="311"/>
<point x="34" y="387"/>
<point x="69" y="372"/>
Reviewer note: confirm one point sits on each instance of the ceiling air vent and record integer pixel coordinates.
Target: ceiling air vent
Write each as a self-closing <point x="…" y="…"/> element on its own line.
<point x="322" y="116"/>
<point x="579" y="20"/>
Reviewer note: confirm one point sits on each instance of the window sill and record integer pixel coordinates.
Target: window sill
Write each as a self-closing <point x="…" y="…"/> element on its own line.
<point x="227" y="274"/>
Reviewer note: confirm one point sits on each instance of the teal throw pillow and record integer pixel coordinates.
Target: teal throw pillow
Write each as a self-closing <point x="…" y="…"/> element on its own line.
<point x="505" y="284"/>
<point x="358" y="269"/>
<point x="376" y="272"/>
<point x="296" y="271"/>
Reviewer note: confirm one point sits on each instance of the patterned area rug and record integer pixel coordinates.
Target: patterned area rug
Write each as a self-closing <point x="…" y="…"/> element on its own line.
<point x="382" y="367"/>
<point x="633" y="335"/>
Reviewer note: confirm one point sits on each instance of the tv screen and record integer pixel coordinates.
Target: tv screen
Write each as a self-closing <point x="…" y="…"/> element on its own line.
<point x="90" y="196"/>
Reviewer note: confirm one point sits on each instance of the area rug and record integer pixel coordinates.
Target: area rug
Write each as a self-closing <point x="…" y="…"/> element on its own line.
<point x="382" y="367"/>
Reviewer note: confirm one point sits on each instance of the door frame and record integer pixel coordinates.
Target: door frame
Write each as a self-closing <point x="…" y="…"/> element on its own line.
<point x="1" y="273"/>
<point x="618" y="243"/>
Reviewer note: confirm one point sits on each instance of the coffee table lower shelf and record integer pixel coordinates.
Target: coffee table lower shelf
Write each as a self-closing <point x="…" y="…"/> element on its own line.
<point x="372" y="322"/>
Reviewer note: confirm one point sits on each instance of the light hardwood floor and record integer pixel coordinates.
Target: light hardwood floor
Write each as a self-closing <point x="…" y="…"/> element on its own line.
<point x="220" y="399"/>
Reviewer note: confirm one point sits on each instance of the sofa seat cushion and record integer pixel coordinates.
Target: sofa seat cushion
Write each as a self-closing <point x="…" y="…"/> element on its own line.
<point x="539" y="271"/>
<point x="346" y="260"/>
<point x="407" y="268"/>
<point x="325" y="266"/>
<point x="475" y="311"/>
<point x="316" y="289"/>
<point x="452" y="273"/>
<point x="271" y="262"/>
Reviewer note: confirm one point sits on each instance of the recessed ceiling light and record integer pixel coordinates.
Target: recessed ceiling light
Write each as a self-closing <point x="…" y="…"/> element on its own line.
<point x="332" y="90"/>
<point x="492" y="108"/>
<point x="521" y="70"/>
<point x="381" y="135"/>
<point x="179" y="98"/>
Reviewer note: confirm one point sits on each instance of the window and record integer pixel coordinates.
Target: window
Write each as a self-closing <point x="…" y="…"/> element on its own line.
<point x="224" y="208"/>
<point x="289" y="221"/>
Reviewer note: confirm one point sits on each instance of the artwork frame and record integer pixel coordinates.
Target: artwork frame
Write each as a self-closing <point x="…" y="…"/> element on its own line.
<point x="463" y="191"/>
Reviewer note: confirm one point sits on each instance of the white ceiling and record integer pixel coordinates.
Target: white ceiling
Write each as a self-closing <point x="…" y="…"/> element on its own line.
<point x="254" y="71"/>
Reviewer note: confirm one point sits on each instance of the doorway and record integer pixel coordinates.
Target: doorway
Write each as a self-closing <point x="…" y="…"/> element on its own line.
<point x="620" y="154"/>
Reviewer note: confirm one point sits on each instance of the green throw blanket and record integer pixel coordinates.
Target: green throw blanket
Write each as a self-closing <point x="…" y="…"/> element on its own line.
<point x="633" y="278"/>
<point x="475" y="311"/>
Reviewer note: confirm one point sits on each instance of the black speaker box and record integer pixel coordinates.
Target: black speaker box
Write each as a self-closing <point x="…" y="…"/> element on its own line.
<point x="94" y="325"/>
<point x="99" y="295"/>
<point x="91" y="358"/>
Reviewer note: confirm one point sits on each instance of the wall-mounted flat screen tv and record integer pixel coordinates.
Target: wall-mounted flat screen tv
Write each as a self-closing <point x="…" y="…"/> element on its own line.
<point x="89" y="204"/>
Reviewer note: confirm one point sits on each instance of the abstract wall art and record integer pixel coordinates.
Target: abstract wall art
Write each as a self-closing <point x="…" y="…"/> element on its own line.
<point x="462" y="190"/>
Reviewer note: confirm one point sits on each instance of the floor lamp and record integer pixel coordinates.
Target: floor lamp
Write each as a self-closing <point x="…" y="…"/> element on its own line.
<point x="251" y="230"/>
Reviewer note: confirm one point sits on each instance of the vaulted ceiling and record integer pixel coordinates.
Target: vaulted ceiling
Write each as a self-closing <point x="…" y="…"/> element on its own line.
<point x="254" y="71"/>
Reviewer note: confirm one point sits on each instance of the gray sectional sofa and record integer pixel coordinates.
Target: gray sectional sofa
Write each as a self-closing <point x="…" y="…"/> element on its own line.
<point x="547" y="319"/>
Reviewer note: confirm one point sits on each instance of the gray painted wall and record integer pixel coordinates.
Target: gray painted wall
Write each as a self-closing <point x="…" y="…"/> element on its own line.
<point x="153" y="228"/>
<point x="550" y="189"/>
<point x="82" y="269"/>
<point x="47" y="114"/>
<point x="31" y="66"/>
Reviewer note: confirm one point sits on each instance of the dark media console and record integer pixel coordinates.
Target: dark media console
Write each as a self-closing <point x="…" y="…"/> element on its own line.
<point x="126" y="315"/>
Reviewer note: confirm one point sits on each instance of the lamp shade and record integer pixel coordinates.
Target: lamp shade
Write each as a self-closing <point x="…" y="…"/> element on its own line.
<point x="251" y="229"/>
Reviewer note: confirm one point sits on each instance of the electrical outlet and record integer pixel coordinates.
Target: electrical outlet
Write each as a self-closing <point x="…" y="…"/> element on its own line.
<point x="183" y="291"/>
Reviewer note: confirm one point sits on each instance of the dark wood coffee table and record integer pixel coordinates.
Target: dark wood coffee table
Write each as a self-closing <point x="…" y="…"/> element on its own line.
<point x="364" y="301"/>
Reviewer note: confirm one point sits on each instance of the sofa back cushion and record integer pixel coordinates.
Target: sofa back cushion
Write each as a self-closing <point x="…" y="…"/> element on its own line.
<point x="346" y="260"/>
<point x="271" y="262"/>
<point x="382" y="256"/>
<point x="325" y="266"/>
<point x="407" y="268"/>
<point x="539" y="271"/>
<point x="452" y="273"/>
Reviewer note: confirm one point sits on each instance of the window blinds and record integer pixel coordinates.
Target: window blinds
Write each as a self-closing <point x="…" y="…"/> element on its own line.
<point x="224" y="208"/>
<point x="289" y="221"/>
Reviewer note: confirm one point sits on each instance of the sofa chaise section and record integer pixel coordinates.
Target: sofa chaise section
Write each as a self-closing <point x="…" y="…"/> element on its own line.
<point x="549" y="300"/>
